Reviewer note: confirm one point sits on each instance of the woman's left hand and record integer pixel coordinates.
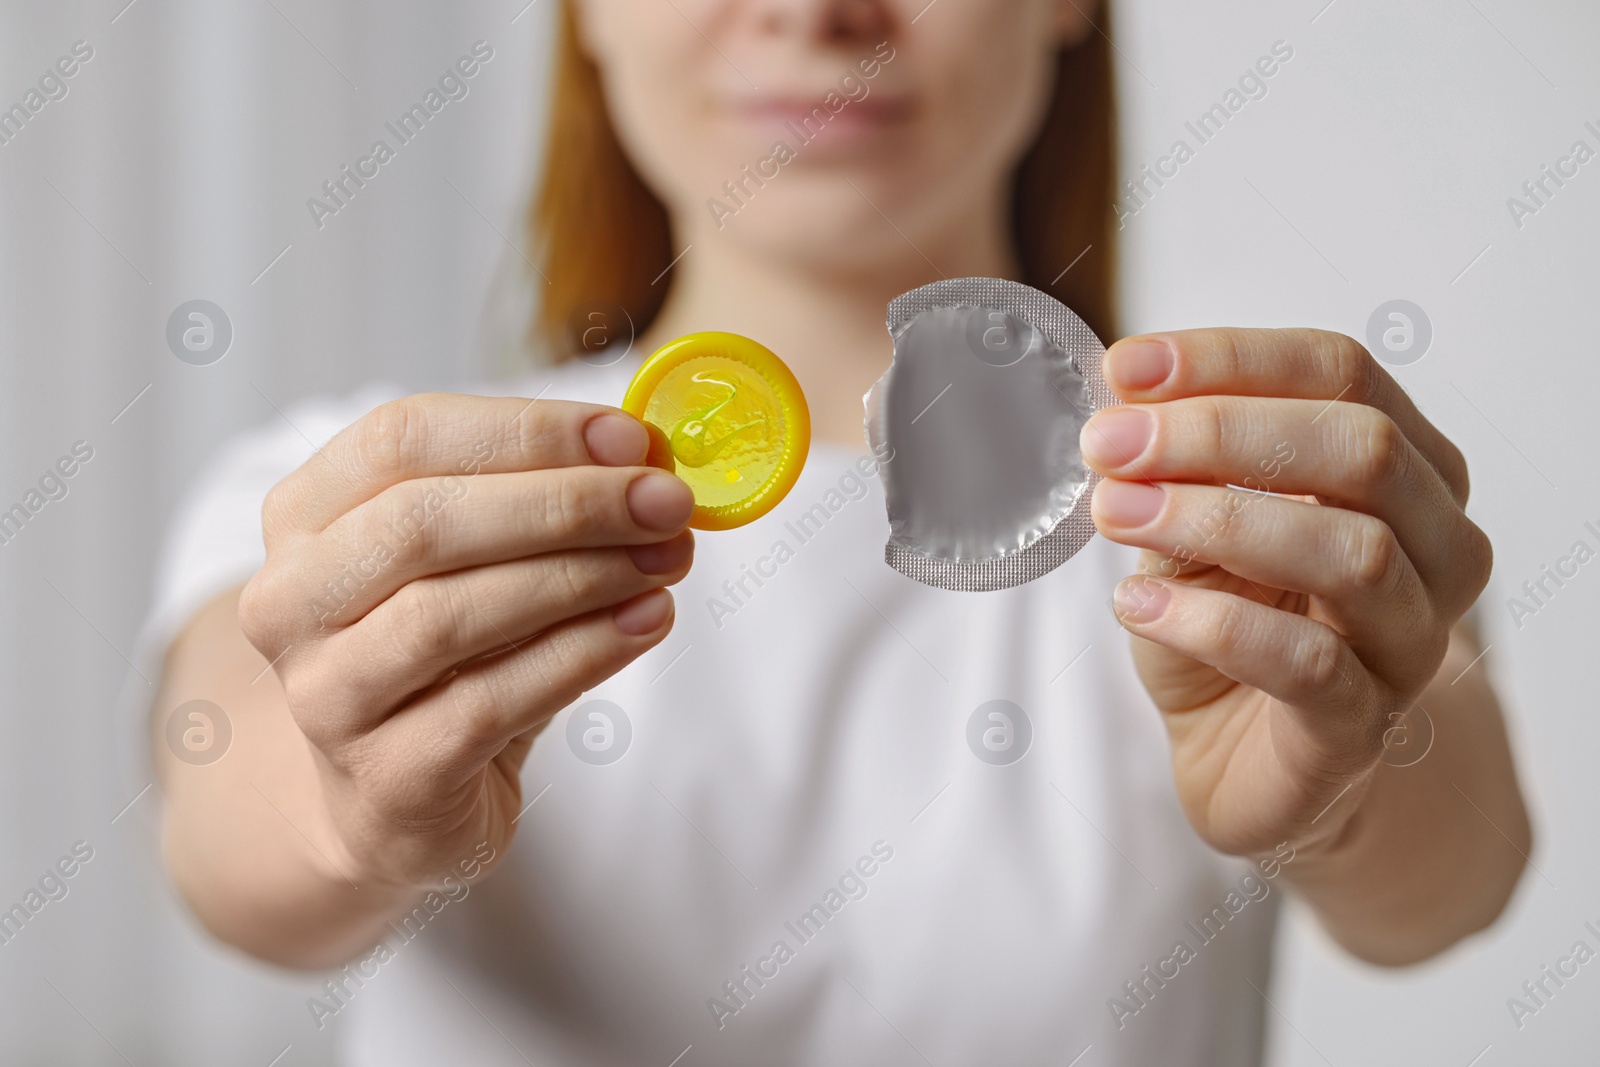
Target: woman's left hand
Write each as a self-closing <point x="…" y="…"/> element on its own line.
<point x="1284" y="627"/>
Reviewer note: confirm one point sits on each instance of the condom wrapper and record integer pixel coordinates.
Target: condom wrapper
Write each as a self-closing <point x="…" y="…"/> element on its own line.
<point x="980" y="412"/>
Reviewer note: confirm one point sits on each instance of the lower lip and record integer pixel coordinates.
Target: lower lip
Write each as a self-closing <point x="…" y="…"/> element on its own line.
<point x="852" y="125"/>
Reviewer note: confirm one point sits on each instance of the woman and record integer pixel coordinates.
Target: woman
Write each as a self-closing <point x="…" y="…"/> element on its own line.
<point x="769" y="840"/>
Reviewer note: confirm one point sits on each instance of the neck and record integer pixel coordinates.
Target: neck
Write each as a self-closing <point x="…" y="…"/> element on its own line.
<point x="826" y="321"/>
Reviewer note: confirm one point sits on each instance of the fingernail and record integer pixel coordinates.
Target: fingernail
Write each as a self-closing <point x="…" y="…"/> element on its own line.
<point x="1141" y="599"/>
<point x="1138" y="365"/>
<point x="1117" y="436"/>
<point x="660" y="502"/>
<point x="615" y="440"/>
<point x="644" y="614"/>
<point x="1128" y="504"/>
<point x="663" y="557"/>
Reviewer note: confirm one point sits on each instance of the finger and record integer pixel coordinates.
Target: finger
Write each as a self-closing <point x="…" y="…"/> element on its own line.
<point x="1302" y="663"/>
<point x="1348" y="455"/>
<point x="442" y="434"/>
<point x="463" y="722"/>
<point x="430" y="626"/>
<point x="1368" y="588"/>
<point x="419" y="528"/>
<point x="1299" y="364"/>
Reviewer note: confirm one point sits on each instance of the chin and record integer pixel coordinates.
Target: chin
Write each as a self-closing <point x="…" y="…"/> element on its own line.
<point x="818" y="218"/>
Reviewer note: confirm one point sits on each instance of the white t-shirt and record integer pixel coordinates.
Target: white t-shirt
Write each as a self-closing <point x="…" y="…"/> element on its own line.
<point x="808" y="838"/>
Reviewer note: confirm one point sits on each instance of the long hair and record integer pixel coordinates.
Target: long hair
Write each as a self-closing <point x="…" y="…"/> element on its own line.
<point x="603" y="237"/>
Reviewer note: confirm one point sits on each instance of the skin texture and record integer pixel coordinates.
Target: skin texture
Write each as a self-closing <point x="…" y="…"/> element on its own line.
<point x="382" y="744"/>
<point x="1287" y="631"/>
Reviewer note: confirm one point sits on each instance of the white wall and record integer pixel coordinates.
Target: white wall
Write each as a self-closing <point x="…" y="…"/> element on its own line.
<point x="1377" y="167"/>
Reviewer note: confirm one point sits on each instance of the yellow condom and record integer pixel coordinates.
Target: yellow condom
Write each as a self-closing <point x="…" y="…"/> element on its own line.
<point x="735" y="419"/>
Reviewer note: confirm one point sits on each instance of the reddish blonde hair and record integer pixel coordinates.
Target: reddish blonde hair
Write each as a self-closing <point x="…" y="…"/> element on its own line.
<point x="603" y="237"/>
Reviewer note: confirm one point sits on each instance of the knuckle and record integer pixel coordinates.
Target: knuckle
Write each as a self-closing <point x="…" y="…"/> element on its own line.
<point x="409" y="523"/>
<point x="1315" y="665"/>
<point x="564" y="663"/>
<point x="484" y="702"/>
<point x="1373" y="556"/>
<point x="262" y="618"/>
<point x="304" y="694"/>
<point x="580" y="660"/>
<point x="277" y="511"/>
<point x="1378" y="448"/>
<point x="1480" y="558"/>
<point x="507" y="695"/>
<point x="1234" y="627"/>
<point x="567" y="580"/>
<point x="1436" y="645"/>
<point x="538" y="430"/>
<point x="425" y="620"/>
<point x="1231" y="352"/>
<point x="1350" y="364"/>
<point x="1215" y="525"/>
<point x="389" y="433"/>
<point x="1452" y="467"/>
<point x="495" y="701"/>
<point x="328" y="734"/>
<point x="1214" y="424"/>
<point x="570" y="506"/>
<point x="255" y="615"/>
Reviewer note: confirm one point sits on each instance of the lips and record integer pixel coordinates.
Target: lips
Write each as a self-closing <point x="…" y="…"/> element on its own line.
<point x="856" y="127"/>
<point x="875" y="108"/>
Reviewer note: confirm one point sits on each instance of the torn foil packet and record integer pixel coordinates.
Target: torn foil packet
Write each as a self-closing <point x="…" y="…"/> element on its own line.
<point x="980" y="411"/>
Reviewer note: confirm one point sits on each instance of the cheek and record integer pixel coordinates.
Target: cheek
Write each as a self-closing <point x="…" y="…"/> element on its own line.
<point x="997" y="75"/>
<point x="654" y="71"/>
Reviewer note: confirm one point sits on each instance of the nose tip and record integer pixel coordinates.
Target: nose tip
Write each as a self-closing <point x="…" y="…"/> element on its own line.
<point x="828" y="20"/>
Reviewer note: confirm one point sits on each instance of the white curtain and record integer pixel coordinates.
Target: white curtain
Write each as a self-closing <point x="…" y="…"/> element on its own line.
<point x="177" y="166"/>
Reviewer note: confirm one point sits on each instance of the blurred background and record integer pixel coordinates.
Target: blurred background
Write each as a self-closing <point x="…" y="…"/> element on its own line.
<point x="1379" y="166"/>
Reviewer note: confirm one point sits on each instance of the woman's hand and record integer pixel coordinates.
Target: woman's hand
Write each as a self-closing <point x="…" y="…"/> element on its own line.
<point x="1284" y="627"/>
<point x="441" y="579"/>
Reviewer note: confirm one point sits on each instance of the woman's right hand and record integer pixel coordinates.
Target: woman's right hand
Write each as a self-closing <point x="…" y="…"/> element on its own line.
<point x="441" y="579"/>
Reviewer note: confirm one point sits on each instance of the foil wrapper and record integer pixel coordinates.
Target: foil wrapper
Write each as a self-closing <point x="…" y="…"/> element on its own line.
<point x="980" y="412"/>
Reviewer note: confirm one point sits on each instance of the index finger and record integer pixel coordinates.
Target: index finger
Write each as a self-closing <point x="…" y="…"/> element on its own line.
<point x="435" y="435"/>
<point x="1297" y="364"/>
